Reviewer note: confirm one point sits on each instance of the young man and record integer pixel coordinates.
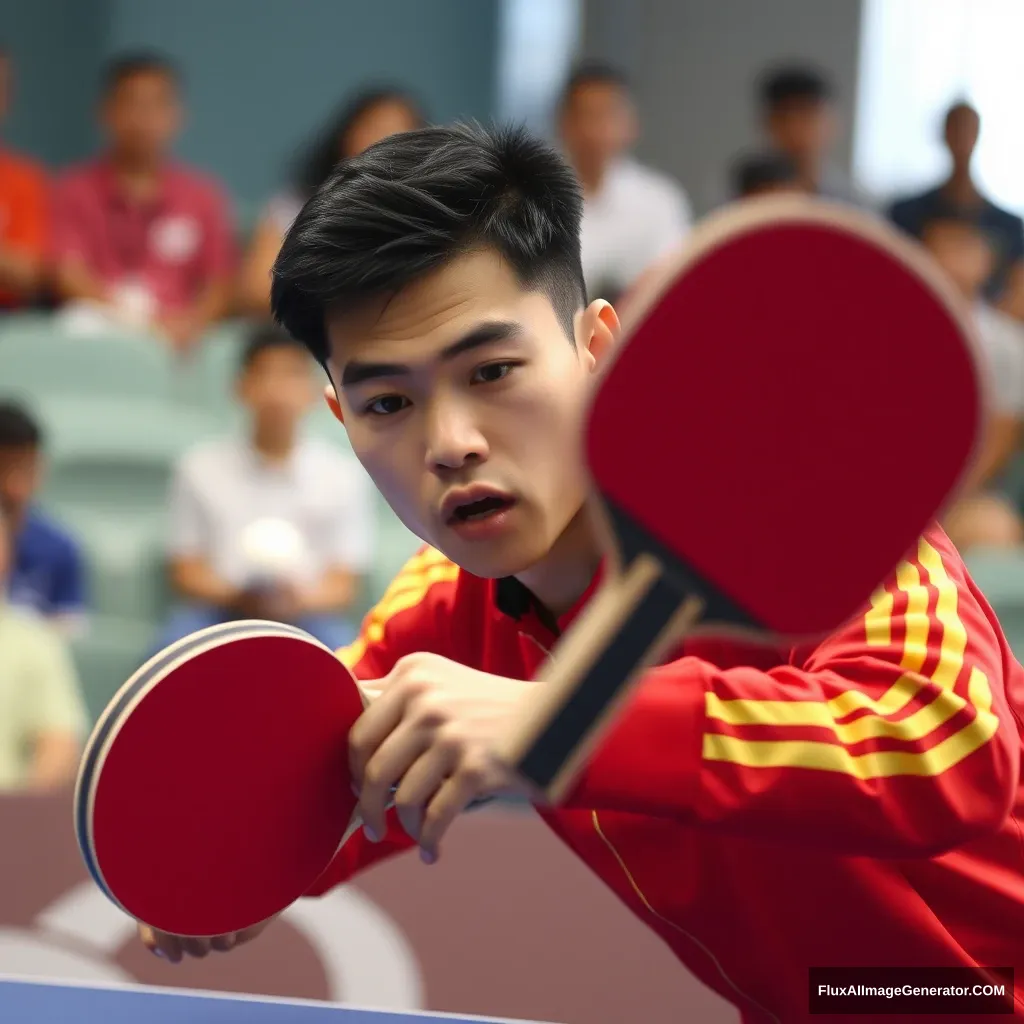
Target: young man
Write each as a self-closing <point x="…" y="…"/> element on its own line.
<point x="24" y="214"/>
<point x="800" y="120"/>
<point x="959" y="197"/>
<point x="275" y="524"/>
<point x="47" y="573"/>
<point x="147" y="240"/>
<point x="850" y="802"/>
<point x="984" y="516"/>
<point x="42" y="716"/>
<point x="632" y="215"/>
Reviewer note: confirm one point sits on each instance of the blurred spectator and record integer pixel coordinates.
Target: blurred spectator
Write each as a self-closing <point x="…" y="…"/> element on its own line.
<point x="984" y="516"/>
<point x="632" y="215"/>
<point x="959" y="196"/>
<point x="42" y="716"/>
<point x="760" y="174"/>
<point x="276" y="525"/>
<point x="801" y="122"/>
<point x="24" y="214"/>
<point x="370" y="117"/>
<point x="46" y="572"/>
<point x="141" y="237"/>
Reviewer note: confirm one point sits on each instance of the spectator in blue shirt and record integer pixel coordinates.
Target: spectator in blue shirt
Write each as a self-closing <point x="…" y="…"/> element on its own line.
<point x="47" y="574"/>
<point x="959" y="198"/>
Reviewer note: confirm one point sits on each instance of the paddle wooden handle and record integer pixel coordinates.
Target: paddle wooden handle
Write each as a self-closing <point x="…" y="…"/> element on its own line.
<point x="628" y="625"/>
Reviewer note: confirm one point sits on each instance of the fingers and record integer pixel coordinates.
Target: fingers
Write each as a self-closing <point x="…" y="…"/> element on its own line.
<point x="174" y="948"/>
<point x="389" y="763"/>
<point x="167" y="947"/>
<point x="371" y="729"/>
<point x="418" y="786"/>
<point x="454" y="796"/>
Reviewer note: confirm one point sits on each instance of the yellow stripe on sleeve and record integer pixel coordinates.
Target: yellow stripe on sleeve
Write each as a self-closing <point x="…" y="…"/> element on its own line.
<point x="827" y="756"/>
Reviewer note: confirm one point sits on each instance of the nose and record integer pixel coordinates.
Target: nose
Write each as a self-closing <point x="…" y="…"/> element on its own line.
<point x="454" y="438"/>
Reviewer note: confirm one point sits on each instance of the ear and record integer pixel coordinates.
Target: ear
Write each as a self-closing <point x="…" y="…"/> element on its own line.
<point x="597" y="330"/>
<point x="331" y="398"/>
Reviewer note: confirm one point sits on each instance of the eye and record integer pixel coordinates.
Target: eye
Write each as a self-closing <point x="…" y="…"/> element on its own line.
<point x="386" y="405"/>
<point x="492" y="372"/>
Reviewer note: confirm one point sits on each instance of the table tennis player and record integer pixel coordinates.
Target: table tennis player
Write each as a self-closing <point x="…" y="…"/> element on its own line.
<point x="762" y="811"/>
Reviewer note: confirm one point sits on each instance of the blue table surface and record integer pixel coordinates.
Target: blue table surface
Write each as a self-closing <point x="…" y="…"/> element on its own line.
<point x="32" y="1001"/>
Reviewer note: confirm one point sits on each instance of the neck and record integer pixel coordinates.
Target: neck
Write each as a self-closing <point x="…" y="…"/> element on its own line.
<point x="562" y="577"/>
<point x="591" y="176"/>
<point x="960" y="186"/>
<point x="809" y="171"/>
<point x="135" y="170"/>
<point x="273" y="442"/>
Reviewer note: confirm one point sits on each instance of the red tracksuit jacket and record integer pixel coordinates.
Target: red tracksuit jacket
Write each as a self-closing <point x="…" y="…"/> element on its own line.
<point x="853" y="803"/>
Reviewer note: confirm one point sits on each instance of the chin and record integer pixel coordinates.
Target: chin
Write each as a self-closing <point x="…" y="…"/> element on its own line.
<point x="495" y="559"/>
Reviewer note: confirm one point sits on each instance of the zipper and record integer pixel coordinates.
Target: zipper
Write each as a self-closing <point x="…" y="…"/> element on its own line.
<point x="672" y="924"/>
<point x="647" y="903"/>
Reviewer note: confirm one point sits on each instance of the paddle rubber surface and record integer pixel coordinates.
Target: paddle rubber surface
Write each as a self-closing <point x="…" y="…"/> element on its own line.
<point x="215" y="789"/>
<point x="786" y="418"/>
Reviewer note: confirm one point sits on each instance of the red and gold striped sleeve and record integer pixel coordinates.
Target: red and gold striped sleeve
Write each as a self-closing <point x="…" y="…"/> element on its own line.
<point x="894" y="737"/>
<point x="412" y="615"/>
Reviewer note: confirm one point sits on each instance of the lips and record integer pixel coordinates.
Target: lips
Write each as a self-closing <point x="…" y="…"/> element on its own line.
<point x="460" y="504"/>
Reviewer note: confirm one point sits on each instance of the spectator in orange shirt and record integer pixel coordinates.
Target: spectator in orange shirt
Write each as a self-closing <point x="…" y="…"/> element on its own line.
<point x="140" y="237"/>
<point x="23" y="215"/>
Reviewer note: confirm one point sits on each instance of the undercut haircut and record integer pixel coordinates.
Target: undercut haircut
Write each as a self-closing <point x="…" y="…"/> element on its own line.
<point x="413" y="203"/>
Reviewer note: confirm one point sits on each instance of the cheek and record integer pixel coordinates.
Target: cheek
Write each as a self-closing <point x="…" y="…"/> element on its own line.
<point x="395" y="468"/>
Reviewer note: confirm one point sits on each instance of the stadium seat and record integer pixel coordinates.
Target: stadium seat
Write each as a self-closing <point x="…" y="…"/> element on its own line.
<point x="38" y="358"/>
<point x="116" y="454"/>
<point x="999" y="575"/>
<point x="109" y="652"/>
<point x="125" y="558"/>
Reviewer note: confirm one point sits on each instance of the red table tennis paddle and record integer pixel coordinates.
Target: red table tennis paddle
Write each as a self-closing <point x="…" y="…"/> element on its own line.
<point x="796" y="399"/>
<point x="215" y="787"/>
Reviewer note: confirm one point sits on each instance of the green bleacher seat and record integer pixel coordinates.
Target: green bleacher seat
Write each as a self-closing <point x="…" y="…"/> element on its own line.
<point x="125" y="554"/>
<point x="116" y="454"/>
<point x="38" y="358"/>
<point x="109" y="652"/>
<point x="1000" y="576"/>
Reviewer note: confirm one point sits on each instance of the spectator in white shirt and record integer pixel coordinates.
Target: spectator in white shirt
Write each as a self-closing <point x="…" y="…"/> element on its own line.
<point x="985" y="516"/>
<point x="274" y="525"/>
<point x="632" y="215"/>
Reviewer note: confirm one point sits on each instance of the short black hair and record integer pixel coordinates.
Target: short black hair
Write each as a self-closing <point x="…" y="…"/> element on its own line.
<point x="318" y="160"/>
<point x="754" y="171"/>
<point x="137" y="62"/>
<point x="796" y="82"/>
<point x="264" y="338"/>
<point x="413" y="202"/>
<point x="18" y="428"/>
<point x="592" y="72"/>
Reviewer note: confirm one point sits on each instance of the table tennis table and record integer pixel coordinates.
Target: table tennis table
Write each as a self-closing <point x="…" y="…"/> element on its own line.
<point x="38" y="1001"/>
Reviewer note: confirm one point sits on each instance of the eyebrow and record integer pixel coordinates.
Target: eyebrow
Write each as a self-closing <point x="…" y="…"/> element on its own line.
<point x="486" y="333"/>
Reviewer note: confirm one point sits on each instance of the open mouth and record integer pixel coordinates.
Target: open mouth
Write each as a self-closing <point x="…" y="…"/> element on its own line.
<point x="481" y="509"/>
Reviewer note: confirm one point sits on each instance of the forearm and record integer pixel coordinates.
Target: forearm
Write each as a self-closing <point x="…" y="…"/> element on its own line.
<point x="334" y="592"/>
<point x="698" y="746"/>
<point x="211" y="305"/>
<point x="54" y="760"/>
<point x="20" y="272"/>
<point x="75" y="282"/>
<point x="195" y="580"/>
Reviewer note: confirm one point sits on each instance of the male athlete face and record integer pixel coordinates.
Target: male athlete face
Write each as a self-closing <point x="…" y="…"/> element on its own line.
<point x="463" y="398"/>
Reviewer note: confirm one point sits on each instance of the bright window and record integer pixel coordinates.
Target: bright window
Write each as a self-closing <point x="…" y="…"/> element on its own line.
<point x="918" y="57"/>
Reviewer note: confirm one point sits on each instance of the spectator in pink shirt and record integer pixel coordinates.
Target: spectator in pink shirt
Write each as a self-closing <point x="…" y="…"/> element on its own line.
<point x="143" y="238"/>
